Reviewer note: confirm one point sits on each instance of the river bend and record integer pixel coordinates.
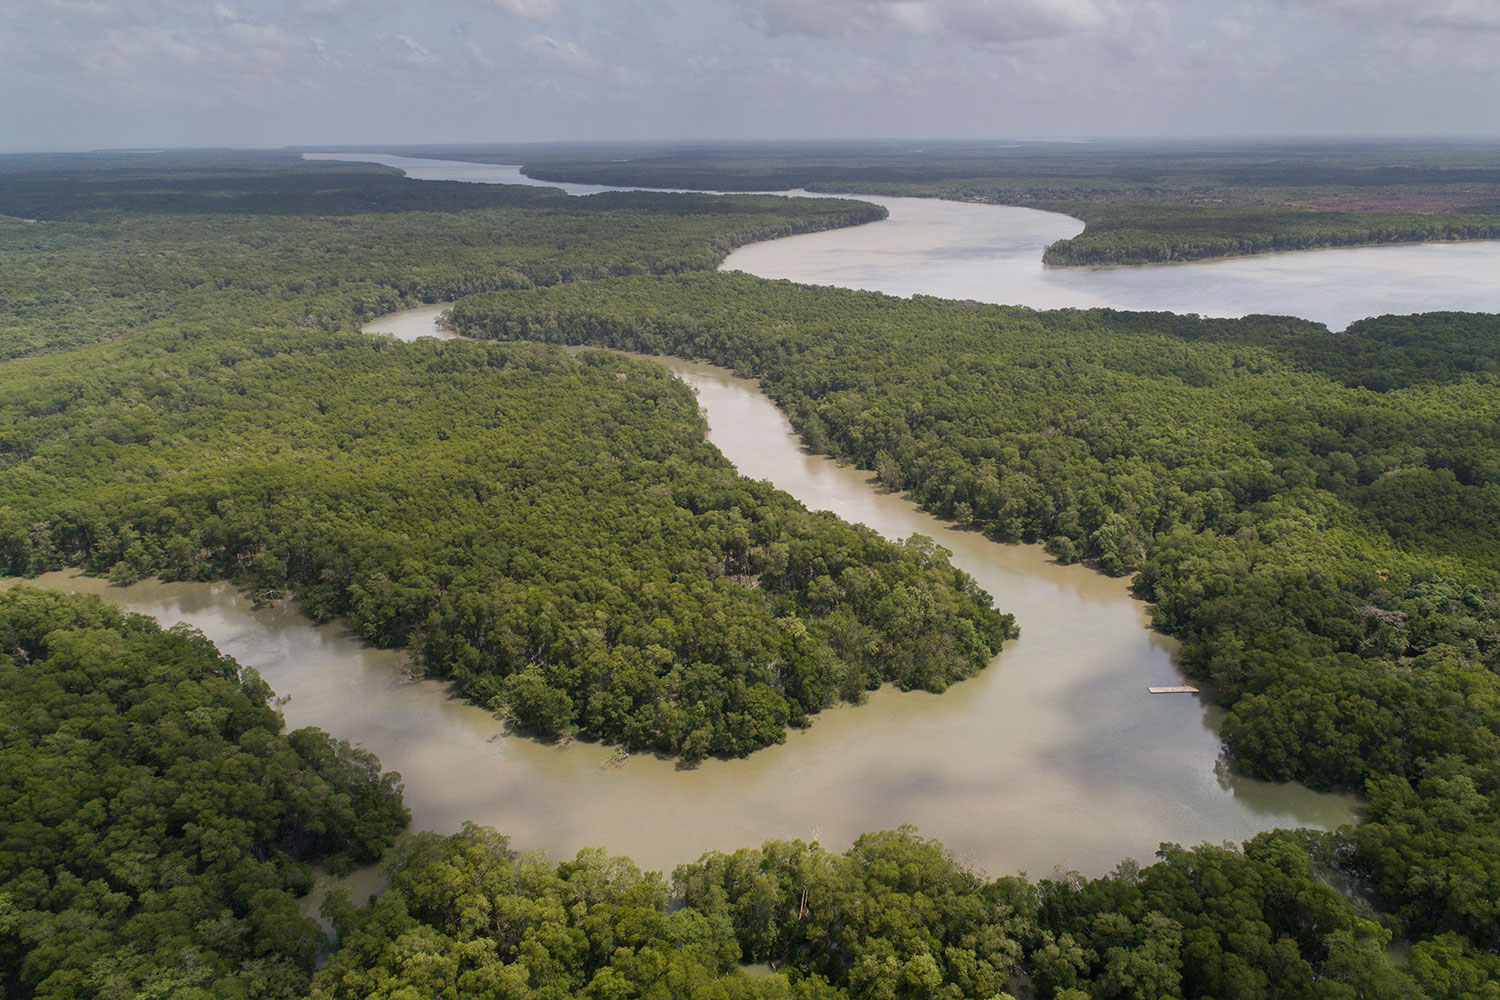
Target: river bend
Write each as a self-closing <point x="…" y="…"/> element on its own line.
<point x="993" y="253"/>
<point x="1054" y="757"/>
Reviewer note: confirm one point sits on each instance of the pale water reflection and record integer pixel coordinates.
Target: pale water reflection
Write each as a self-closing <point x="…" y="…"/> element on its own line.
<point x="993" y="253"/>
<point x="1054" y="756"/>
<point x="411" y="324"/>
<point x="428" y="169"/>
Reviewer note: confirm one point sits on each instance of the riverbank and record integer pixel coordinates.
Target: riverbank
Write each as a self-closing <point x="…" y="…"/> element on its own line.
<point x="1155" y="234"/>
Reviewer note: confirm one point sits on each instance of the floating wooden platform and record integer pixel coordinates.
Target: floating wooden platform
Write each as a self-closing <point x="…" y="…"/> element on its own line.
<point x="1178" y="689"/>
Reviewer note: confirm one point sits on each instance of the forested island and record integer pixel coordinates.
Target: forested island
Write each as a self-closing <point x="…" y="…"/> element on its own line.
<point x="186" y="394"/>
<point x="1142" y="203"/>
<point x="1162" y="234"/>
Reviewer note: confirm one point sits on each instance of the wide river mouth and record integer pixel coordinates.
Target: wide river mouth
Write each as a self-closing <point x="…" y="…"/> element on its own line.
<point x="993" y="253"/>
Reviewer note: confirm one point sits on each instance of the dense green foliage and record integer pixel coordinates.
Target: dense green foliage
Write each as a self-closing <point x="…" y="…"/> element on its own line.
<point x="1385" y="353"/>
<point x="1328" y="554"/>
<point x="155" y="821"/>
<point x="1221" y="172"/>
<point x="1154" y="234"/>
<point x="88" y="190"/>
<point x="327" y="245"/>
<point x="894" y="918"/>
<point x="555" y="535"/>
<point x="466" y="917"/>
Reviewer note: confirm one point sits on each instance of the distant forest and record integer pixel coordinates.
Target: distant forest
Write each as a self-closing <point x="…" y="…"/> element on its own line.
<point x="266" y="239"/>
<point x="1141" y="203"/>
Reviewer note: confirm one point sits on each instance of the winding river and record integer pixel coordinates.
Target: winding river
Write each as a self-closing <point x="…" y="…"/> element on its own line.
<point x="1055" y="757"/>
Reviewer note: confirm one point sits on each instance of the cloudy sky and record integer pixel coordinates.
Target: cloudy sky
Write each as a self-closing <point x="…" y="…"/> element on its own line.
<point x="78" y="74"/>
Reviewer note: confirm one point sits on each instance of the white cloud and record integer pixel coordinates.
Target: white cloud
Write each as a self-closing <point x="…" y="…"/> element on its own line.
<point x="478" y="56"/>
<point x="549" y="55"/>
<point x="159" y="71"/>
<point x="93" y="10"/>
<point x="990" y="22"/>
<point x="1433" y="36"/>
<point x="265" y="38"/>
<point x="1447" y="15"/>
<point x="548" y="51"/>
<point x="548" y="88"/>
<point x="323" y="8"/>
<point x="84" y="15"/>
<point x="545" y="11"/>
<point x="1240" y="23"/>
<point x="630" y="79"/>
<point x="408" y="51"/>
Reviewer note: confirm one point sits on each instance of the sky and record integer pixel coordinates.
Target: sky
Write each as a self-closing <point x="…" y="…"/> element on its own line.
<point x="81" y="74"/>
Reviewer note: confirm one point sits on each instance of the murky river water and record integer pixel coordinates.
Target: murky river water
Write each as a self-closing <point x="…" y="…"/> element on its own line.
<point x="993" y="253"/>
<point x="1054" y="756"/>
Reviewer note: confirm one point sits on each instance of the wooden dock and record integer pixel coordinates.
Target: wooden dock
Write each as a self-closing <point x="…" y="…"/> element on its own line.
<point x="1177" y="689"/>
